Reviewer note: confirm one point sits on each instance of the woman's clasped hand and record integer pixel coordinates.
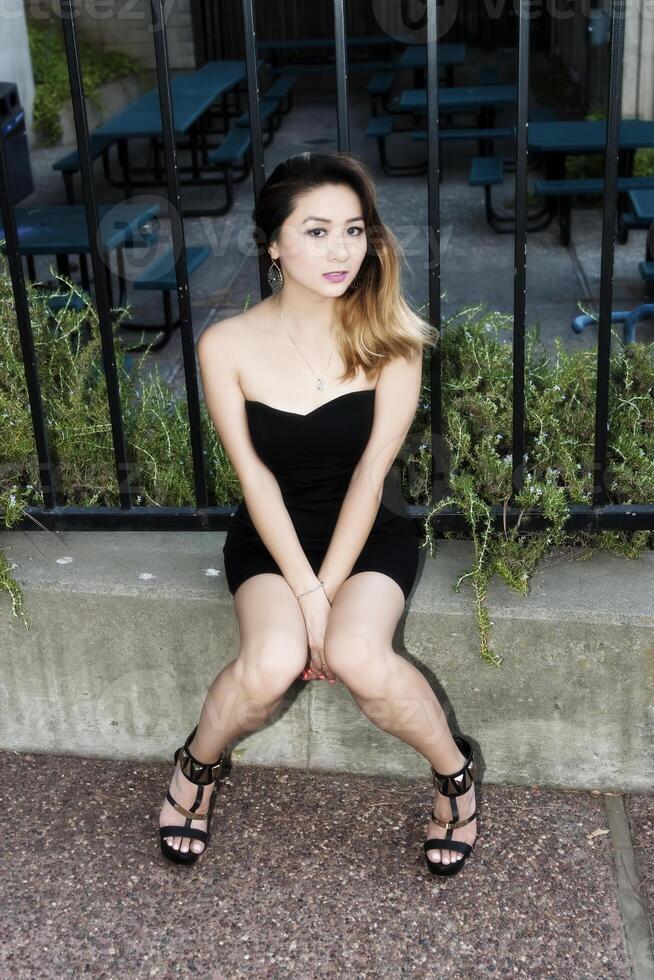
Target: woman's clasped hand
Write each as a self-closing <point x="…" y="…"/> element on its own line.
<point x="315" y="608"/>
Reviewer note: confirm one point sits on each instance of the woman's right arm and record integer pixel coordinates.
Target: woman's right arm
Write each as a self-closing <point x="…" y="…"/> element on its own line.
<point x="263" y="497"/>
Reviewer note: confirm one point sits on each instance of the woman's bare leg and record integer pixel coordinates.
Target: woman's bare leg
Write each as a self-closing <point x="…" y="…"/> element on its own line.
<point x="272" y="654"/>
<point x="390" y="691"/>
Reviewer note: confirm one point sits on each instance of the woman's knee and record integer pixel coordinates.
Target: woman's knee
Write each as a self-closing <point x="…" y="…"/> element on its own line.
<point x="269" y="661"/>
<point x="353" y="652"/>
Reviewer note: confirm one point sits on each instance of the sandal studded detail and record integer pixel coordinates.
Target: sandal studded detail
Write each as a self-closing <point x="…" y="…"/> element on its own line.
<point x="452" y="785"/>
<point x="201" y="774"/>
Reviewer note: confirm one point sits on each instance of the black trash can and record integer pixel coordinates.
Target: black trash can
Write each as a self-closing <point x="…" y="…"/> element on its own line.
<point x="14" y="142"/>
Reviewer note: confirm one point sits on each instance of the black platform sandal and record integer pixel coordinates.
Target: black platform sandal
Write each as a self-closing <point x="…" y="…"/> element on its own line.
<point x="452" y="785"/>
<point x="200" y="773"/>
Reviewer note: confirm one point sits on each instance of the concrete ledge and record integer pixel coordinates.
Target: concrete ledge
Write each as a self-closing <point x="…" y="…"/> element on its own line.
<point x="129" y="628"/>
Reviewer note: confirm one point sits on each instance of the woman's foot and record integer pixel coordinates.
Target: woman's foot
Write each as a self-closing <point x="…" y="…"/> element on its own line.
<point x="443" y="810"/>
<point x="185" y="792"/>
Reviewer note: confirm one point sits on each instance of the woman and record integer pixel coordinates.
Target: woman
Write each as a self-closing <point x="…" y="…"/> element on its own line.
<point x="312" y="392"/>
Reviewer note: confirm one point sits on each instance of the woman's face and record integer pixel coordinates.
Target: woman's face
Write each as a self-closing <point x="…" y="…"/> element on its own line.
<point x="324" y="234"/>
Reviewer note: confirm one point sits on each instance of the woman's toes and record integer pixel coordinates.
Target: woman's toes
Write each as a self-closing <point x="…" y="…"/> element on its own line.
<point x="434" y="855"/>
<point x="197" y="846"/>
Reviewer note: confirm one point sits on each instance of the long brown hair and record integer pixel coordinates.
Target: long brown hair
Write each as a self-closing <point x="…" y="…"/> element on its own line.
<point x="374" y="322"/>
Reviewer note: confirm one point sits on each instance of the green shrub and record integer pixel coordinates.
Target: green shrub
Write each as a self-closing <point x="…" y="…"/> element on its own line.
<point x="559" y="439"/>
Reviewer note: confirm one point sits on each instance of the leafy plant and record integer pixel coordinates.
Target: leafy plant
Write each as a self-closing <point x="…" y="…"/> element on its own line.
<point x="76" y="413"/>
<point x="50" y="68"/>
<point x="558" y="461"/>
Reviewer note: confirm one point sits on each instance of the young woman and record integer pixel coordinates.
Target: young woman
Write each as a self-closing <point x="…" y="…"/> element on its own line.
<point x="312" y="392"/>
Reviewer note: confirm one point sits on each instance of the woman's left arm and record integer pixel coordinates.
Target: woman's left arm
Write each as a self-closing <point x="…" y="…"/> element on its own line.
<point x="396" y="401"/>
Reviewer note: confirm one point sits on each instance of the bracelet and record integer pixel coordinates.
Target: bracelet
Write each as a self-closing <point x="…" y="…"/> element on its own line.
<point x="314" y="589"/>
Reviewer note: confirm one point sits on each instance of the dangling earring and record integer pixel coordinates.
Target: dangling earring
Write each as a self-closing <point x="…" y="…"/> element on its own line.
<point x="275" y="277"/>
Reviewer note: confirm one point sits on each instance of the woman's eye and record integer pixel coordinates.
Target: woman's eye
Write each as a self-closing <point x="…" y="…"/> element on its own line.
<point x="353" y="228"/>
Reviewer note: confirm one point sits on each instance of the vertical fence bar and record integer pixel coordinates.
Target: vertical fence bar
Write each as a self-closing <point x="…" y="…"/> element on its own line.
<point x="438" y="462"/>
<point x="608" y="248"/>
<point x="99" y="258"/>
<point x="26" y="336"/>
<point x="520" y="248"/>
<point x="342" y="114"/>
<point x="199" y="31"/>
<point x="179" y="247"/>
<point x="258" y="164"/>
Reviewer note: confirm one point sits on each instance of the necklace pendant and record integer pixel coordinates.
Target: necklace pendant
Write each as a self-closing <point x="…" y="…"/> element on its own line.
<point x="321" y="384"/>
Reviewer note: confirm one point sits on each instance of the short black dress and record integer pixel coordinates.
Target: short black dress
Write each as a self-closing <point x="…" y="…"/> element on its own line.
<point x="313" y="457"/>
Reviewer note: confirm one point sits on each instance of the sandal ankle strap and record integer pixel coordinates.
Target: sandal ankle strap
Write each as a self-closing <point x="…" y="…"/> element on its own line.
<point x="459" y="782"/>
<point x="200" y="773"/>
<point x="452" y="824"/>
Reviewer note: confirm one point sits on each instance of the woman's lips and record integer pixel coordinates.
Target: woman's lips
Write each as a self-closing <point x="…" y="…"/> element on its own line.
<point x="335" y="276"/>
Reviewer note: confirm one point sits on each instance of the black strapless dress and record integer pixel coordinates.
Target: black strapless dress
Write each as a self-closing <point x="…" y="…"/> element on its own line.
<point x="313" y="457"/>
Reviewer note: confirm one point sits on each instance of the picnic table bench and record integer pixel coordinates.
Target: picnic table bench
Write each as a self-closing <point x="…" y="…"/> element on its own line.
<point x="161" y="276"/>
<point x="555" y="139"/>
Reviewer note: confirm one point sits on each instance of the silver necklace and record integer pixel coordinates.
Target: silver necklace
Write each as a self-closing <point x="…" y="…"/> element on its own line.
<point x="321" y="381"/>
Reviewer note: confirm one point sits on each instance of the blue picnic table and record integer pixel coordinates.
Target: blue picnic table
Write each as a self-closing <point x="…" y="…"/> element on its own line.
<point x="414" y="58"/>
<point x="459" y="97"/>
<point x="62" y="231"/>
<point x="462" y="98"/>
<point x="193" y="95"/>
<point x="320" y="62"/>
<point x="558" y="139"/>
<point x="362" y="40"/>
<point x="572" y="136"/>
<point x="555" y="140"/>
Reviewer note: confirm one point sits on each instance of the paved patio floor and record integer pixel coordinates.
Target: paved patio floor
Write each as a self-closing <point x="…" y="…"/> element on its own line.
<point x="316" y="874"/>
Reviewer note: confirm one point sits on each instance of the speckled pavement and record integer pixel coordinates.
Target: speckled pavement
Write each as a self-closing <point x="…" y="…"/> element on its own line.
<point x="307" y="874"/>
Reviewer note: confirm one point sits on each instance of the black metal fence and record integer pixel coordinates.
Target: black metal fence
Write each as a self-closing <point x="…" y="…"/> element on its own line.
<point x="600" y="515"/>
